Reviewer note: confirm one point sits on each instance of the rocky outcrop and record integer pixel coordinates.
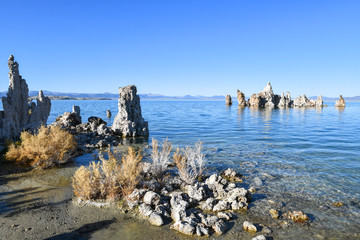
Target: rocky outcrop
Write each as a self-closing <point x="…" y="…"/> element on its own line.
<point x="254" y="101"/>
<point x="69" y="119"/>
<point x="108" y="113"/>
<point x="303" y="101"/>
<point x="285" y="101"/>
<point x="341" y="102"/>
<point x="319" y="102"/>
<point x="201" y="209"/>
<point x="228" y="100"/>
<point x="129" y="121"/>
<point x="241" y="98"/>
<point x="265" y="98"/>
<point x="18" y="114"/>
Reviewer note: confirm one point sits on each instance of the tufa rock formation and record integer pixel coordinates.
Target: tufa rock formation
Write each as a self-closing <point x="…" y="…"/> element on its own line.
<point x="285" y="101"/>
<point x="18" y="114"/>
<point x="319" y="102"/>
<point x="228" y="100"/>
<point x="241" y="98"/>
<point x="108" y="113"/>
<point x="69" y="119"/>
<point x="265" y="98"/>
<point x="340" y="102"/>
<point x="129" y="121"/>
<point x="254" y="101"/>
<point x="303" y="101"/>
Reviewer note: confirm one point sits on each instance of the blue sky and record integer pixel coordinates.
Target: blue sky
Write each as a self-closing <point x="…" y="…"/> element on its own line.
<point x="183" y="47"/>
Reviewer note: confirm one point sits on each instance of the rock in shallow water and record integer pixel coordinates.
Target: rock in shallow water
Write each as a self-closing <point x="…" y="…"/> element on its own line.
<point x="129" y="121"/>
<point x="249" y="227"/>
<point x="297" y="216"/>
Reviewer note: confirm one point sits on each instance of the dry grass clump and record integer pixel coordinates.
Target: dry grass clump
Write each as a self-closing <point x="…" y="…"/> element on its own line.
<point x="109" y="179"/>
<point x="160" y="158"/>
<point x="190" y="162"/>
<point x="45" y="148"/>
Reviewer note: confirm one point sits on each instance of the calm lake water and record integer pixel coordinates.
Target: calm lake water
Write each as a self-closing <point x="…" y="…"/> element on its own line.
<point x="307" y="158"/>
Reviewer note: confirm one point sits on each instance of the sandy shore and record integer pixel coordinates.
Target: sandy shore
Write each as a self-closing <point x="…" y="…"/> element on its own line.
<point x="39" y="205"/>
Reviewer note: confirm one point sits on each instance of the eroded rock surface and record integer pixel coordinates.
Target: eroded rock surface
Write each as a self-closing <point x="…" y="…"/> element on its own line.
<point x="285" y="101"/>
<point x="266" y="98"/>
<point x="129" y="121"/>
<point x="340" y="102"/>
<point x="241" y="98"/>
<point x="18" y="114"/>
<point x="303" y="101"/>
<point x="228" y="100"/>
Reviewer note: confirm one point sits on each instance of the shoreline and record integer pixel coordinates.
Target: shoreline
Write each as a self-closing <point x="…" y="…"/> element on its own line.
<point x="46" y="196"/>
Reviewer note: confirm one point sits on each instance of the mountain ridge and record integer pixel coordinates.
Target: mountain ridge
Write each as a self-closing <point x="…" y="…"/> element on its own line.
<point x="150" y="96"/>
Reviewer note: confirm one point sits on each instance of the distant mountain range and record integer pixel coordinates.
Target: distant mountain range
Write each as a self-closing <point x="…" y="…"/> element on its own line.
<point x="107" y="95"/>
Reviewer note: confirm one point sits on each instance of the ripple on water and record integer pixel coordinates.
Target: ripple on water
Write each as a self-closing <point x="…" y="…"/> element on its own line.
<point x="314" y="153"/>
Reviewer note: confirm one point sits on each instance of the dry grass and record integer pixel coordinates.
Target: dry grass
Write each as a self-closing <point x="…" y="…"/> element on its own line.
<point x="45" y="148"/>
<point x="190" y="163"/>
<point x="110" y="179"/>
<point x="160" y="158"/>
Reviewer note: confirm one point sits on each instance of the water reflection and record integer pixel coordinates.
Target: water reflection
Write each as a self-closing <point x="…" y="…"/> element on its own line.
<point x="241" y="113"/>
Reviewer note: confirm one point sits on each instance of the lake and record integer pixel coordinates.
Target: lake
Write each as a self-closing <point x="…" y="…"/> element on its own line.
<point x="306" y="158"/>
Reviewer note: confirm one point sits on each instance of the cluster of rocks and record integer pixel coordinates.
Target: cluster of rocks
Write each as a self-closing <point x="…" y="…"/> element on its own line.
<point x="92" y="134"/>
<point x="96" y="134"/>
<point x="19" y="114"/>
<point x="267" y="98"/>
<point x="185" y="205"/>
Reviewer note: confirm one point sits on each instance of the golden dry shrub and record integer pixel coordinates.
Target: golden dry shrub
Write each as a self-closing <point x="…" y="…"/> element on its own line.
<point x="44" y="148"/>
<point x="110" y="179"/>
<point x="86" y="182"/>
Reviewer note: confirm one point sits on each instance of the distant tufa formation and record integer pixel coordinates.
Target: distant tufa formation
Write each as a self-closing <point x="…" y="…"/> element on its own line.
<point x="340" y="103"/>
<point x="129" y="121"/>
<point x="267" y="98"/>
<point x="19" y="114"/>
<point x="228" y="100"/>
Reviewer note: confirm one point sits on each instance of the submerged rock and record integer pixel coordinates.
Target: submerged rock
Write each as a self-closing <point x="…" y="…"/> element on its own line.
<point x="228" y="100"/>
<point x="297" y="216"/>
<point x="129" y="121"/>
<point x="274" y="213"/>
<point x="341" y="102"/>
<point x="18" y="114"/>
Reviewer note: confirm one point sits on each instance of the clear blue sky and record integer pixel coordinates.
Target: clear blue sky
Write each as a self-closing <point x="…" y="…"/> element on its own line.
<point x="183" y="47"/>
